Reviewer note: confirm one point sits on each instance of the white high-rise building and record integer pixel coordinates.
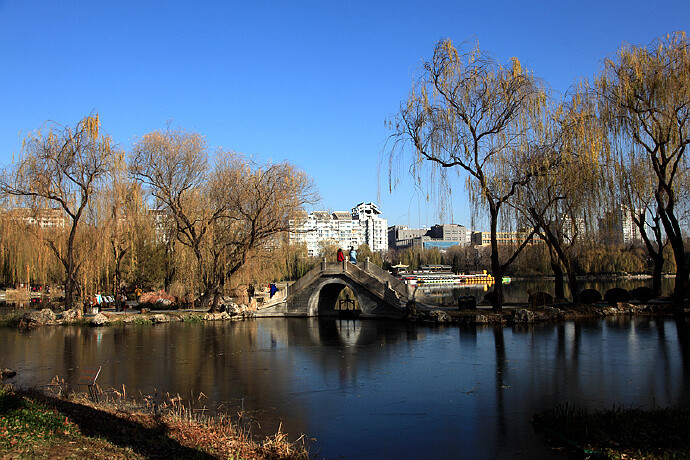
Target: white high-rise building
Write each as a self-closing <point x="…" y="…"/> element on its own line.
<point x="361" y="225"/>
<point x="618" y="228"/>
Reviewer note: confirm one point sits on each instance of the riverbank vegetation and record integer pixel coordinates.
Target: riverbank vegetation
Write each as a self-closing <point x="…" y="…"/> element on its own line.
<point x="35" y="425"/>
<point x="619" y="432"/>
<point x="81" y="213"/>
<point x="607" y="160"/>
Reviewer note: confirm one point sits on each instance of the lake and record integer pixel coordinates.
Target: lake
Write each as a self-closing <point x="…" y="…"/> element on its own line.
<point x="377" y="389"/>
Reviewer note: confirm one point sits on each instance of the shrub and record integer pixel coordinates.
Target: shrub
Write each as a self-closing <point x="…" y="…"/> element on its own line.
<point x="615" y="295"/>
<point x="540" y="299"/>
<point x="589" y="296"/>
<point x="642" y="293"/>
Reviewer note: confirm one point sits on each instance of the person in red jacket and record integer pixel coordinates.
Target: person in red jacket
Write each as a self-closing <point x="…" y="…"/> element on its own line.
<point x="340" y="256"/>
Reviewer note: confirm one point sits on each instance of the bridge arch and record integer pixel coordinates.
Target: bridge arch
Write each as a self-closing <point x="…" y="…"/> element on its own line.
<point x="324" y="297"/>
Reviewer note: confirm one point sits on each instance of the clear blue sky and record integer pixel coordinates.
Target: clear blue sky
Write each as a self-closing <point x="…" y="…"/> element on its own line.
<point x="309" y="82"/>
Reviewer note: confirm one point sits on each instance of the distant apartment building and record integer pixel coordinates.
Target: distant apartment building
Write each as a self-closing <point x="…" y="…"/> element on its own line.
<point x="502" y="238"/>
<point x="43" y="218"/>
<point x="618" y="228"/>
<point x="439" y="236"/>
<point x="402" y="236"/>
<point x="362" y="225"/>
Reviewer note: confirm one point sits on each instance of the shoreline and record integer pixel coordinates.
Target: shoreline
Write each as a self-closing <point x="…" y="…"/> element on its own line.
<point x="515" y="314"/>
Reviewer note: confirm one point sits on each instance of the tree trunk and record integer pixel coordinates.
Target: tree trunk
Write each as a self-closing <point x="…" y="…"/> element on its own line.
<point x="658" y="271"/>
<point x="573" y="285"/>
<point x="557" y="269"/>
<point x="657" y="255"/>
<point x="675" y="238"/>
<point x="69" y="276"/>
<point x="496" y="267"/>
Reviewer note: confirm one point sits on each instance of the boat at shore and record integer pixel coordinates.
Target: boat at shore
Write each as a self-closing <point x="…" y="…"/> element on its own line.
<point x="441" y="275"/>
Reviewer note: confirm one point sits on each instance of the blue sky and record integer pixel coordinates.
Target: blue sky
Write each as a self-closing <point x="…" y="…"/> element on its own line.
<point x="308" y="82"/>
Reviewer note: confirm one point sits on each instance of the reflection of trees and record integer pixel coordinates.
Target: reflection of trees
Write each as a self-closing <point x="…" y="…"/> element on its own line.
<point x="500" y="346"/>
<point x="683" y="332"/>
<point x="238" y="364"/>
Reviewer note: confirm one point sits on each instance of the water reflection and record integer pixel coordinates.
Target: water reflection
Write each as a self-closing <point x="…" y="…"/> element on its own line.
<point x="373" y="388"/>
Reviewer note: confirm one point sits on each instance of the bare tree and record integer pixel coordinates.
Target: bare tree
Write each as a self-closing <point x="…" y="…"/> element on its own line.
<point x="644" y="96"/>
<point x="223" y="214"/>
<point x="473" y="116"/>
<point x="60" y="167"/>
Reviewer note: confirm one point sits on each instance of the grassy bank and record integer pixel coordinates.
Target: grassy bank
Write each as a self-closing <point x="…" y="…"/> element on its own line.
<point x="619" y="432"/>
<point x="35" y="425"/>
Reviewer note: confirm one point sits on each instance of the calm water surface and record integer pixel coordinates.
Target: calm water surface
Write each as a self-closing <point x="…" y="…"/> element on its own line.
<point x="372" y="389"/>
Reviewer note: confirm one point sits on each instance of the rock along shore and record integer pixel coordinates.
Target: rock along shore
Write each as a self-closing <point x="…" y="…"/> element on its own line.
<point x="47" y="317"/>
<point x="522" y="315"/>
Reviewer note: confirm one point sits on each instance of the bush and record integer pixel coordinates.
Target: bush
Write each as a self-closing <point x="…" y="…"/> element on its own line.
<point x="589" y="296"/>
<point x="642" y="293"/>
<point x="540" y="299"/>
<point x="490" y="297"/>
<point x="615" y="295"/>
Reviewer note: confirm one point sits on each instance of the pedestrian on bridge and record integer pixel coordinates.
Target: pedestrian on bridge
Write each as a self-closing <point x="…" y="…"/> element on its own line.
<point x="353" y="255"/>
<point x="340" y="257"/>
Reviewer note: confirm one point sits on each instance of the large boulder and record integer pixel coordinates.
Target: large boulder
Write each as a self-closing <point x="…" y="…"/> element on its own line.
<point x="439" y="316"/>
<point x="615" y="295"/>
<point x="99" y="320"/>
<point x="234" y="309"/>
<point x="216" y="316"/>
<point x="7" y="373"/>
<point x="37" y="318"/>
<point x="522" y="315"/>
<point x="163" y="303"/>
<point x="72" y="315"/>
<point x="160" y="318"/>
<point x="589" y="296"/>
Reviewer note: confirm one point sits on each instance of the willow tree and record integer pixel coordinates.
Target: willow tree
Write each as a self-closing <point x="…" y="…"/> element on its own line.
<point x="644" y="96"/>
<point x="122" y="222"/>
<point x="473" y="116"/>
<point x="560" y="204"/>
<point x="173" y="166"/>
<point x="634" y="185"/>
<point x="59" y="168"/>
<point x="223" y="212"/>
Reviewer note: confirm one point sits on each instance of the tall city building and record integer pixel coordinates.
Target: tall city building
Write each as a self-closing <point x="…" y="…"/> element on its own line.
<point x="618" y="228"/>
<point x="362" y="225"/>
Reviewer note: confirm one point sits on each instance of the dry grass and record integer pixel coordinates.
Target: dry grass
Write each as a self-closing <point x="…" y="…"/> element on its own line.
<point x="158" y="426"/>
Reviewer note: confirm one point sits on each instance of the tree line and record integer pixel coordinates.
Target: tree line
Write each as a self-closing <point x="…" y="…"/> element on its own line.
<point x="550" y="166"/>
<point x="169" y="213"/>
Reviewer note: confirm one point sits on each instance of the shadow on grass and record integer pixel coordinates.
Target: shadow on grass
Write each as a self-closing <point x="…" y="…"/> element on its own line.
<point x="149" y="442"/>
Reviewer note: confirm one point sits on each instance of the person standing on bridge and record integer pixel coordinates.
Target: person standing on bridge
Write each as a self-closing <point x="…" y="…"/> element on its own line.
<point x="340" y="257"/>
<point x="353" y="255"/>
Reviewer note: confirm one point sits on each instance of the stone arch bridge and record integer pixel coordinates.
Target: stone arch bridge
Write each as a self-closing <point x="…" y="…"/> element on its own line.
<point x="378" y="293"/>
